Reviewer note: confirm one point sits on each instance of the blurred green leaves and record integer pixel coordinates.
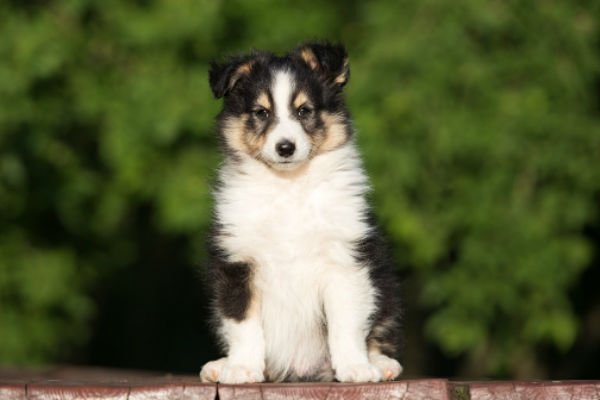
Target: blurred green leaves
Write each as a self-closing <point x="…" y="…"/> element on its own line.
<point x="478" y="121"/>
<point x="42" y="307"/>
<point x="490" y="109"/>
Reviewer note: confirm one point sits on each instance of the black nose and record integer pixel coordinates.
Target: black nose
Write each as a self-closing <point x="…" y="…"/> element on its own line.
<point x="285" y="148"/>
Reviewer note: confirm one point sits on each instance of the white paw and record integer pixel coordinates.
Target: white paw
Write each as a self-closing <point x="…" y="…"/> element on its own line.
<point x="222" y="371"/>
<point x="211" y="371"/>
<point x="358" y="373"/>
<point x="388" y="367"/>
<point x="240" y="374"/>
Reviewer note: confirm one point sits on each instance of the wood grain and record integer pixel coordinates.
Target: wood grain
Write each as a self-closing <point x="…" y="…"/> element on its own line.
<point x="10" y="389"/>
<point x="96" y="383"/>
<point x="433" y="389"/>
<point x="547" y="390"/>
<point x="62" y="390"/>
<point x="177" y="388"/>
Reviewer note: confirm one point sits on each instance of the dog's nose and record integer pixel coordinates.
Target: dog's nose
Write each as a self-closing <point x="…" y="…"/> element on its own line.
<point x="285" y="148"/>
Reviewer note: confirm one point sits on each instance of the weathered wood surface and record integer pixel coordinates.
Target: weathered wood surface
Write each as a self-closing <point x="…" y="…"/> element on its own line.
<point x="410" y="389"/>
<point x="546" y="390"/>
<point x="94" y="383"/>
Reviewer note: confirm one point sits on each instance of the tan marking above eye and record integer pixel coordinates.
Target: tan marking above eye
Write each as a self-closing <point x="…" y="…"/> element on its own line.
<point x="263" y="101"/>
<point x="300" y="100"/>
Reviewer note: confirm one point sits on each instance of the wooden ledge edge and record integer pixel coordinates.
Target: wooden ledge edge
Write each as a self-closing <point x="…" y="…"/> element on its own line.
<point x="190" y="388"/>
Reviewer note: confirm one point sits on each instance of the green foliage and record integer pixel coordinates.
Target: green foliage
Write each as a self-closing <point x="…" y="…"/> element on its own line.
<point x="478" y="121"/>
<point x="38" y="302"/>
<point x="489" y="110"/>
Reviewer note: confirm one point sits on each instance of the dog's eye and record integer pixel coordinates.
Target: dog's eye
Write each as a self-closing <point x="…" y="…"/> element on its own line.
<point x="261" y="113"/>
<point x="304" y="111"/>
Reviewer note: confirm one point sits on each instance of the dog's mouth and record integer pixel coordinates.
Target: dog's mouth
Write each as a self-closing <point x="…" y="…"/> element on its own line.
<point x="287" y="165"/>
<point x="283" y="164"/>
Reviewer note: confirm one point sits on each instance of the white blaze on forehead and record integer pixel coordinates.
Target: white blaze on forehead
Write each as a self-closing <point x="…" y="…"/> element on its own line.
<point x="282" y="89"/>
<point x="285" y="126"/>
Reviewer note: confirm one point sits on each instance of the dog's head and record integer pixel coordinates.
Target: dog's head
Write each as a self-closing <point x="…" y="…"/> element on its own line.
<point x="285" y="110"/>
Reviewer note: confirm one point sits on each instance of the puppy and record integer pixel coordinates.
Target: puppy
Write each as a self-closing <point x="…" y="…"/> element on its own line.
<point x="303" y="287"/>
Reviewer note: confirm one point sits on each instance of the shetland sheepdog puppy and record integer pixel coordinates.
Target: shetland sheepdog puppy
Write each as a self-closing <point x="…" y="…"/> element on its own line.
<point x="302" y="283"/>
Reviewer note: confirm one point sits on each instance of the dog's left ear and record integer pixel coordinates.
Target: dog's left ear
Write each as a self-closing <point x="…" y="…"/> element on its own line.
<point x="223" y="77"/>
<point x="327" y="59"/>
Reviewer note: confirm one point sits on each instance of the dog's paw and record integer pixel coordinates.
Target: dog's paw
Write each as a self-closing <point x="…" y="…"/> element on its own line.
<point x="358" y="373"/>
<point x="223" y="372"/>
<point x="240" y="374"/>
<point x="211" y="371"/>
<point x="388" y="367"/>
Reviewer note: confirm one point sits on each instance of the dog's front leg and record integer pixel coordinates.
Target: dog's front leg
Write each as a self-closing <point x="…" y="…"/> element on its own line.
<point x="238" y="311"/>
<point x="349" y="300"/>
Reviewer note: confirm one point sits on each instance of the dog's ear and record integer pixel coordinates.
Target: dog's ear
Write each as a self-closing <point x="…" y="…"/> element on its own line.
<point x="327" y="59"/>
<point x="224" y="76"/>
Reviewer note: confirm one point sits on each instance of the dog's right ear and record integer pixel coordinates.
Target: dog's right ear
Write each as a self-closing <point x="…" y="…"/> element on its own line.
<point x="224" y="76"/>
<point x="327" y="59"/>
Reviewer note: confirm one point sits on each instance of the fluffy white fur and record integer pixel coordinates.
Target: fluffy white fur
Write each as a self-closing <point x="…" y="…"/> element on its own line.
<point x="299" y="234"/>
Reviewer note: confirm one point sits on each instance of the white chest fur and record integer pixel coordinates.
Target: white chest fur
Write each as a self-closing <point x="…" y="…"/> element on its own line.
<point x="294" y="231"/>
<point x="273" y="219"/>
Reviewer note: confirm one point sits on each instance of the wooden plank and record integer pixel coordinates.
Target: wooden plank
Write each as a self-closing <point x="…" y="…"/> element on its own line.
<point x="546" y="390"/>
<point x="199" y="391"/>
<point x="100" y="383"/>
<point x="66" y="390"/>
<point x="123" y="390"/>
<point x="156" y="392"/>
<point x="94" y="383"/>
<point x="13" y="390"/>
<point x="433" y="389"/>
<point x="134" y="388"/>
<point x="176" y="388"/>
